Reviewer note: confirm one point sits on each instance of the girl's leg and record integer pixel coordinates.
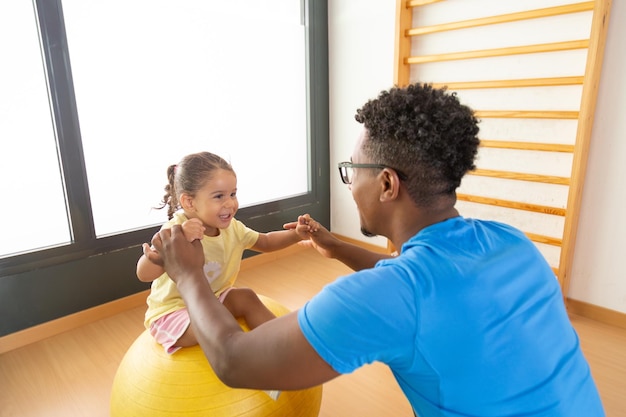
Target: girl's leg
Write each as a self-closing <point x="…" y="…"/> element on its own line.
<point x="187" y="339"/>
<point x="244" y="303"/>
<point x="174" y="331"/>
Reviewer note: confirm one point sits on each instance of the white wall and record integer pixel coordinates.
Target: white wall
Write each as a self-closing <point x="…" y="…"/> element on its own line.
<point x="361" y="42"/>
<point x="598" y="276"/>
<point x="361" y="49"/>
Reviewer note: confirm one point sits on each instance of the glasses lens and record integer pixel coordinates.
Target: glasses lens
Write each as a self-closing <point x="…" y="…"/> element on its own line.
<point x="345" y="173"/>
<point x="348" y="175"/>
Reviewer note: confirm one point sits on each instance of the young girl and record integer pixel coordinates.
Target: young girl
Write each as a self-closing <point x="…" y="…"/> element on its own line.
<point x="202" y="197"/>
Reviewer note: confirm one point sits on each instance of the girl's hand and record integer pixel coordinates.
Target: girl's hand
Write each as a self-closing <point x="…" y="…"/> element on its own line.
<point x="304" y="227"/>
<point x="150" y="253"/>
<point x="313" y="234"/>
<point x="193" y="229"/>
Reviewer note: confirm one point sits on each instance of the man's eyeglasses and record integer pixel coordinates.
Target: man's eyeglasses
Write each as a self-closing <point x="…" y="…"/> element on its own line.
<point x="345" y="170"/>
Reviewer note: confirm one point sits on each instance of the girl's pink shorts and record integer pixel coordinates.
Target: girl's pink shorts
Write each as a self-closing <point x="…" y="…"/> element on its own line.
<point x="168" y="329"/>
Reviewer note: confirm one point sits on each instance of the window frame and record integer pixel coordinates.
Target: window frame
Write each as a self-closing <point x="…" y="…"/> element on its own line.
<point x="47" y="264"/>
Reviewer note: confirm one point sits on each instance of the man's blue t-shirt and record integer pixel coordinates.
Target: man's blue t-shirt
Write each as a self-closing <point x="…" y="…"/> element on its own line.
<point x="469" y="318"/>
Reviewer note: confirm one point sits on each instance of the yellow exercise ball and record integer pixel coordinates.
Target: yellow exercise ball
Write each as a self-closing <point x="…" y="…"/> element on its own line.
<point x="151" y="383"/>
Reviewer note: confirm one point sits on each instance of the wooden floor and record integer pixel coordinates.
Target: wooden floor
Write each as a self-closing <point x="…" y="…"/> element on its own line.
<point x="70" y="375"/>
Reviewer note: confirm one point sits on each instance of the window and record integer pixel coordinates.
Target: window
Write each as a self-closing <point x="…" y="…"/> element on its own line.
<point x="32" y="185"/>
<point x="176" y="78"/>
<point x="102" y="96"/>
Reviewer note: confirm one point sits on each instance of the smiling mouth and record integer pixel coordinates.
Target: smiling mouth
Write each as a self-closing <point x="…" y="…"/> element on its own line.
<point x="225" y="217"/>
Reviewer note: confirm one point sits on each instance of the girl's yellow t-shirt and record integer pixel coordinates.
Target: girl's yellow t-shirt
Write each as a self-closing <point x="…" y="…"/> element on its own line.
<point x="222" y="260"/>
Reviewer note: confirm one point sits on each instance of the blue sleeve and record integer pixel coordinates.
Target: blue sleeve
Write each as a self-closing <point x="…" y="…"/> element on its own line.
<point x="361" y="318"/>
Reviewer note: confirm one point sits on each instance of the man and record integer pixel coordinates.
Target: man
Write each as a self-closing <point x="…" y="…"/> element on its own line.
<point x="469" y="316"/>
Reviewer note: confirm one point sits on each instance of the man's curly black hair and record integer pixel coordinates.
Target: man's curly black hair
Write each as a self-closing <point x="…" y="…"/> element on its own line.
<point x="424" y="132"/>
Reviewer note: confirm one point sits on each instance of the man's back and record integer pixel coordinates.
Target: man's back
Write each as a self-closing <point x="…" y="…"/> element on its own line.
<point x="492" y="329"/>
<point x="473" y="323"/>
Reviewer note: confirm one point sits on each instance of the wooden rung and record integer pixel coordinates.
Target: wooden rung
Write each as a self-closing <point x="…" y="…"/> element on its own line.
<point x="529" y="82"/>
<point x="527" y="146"/>
<point x="555" y="270"/>
<point x="416" y="3"/>
<point x="546" y="179"/>
<point x="527" y="114"/>
<point x="512" y="204"/>
<point x="548" y="240"/>
<point x="488" y="53"/>
<point x="505" y="18"/>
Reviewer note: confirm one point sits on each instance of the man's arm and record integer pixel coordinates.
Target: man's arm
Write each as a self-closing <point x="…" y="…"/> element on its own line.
<point x="275" y="355"/>
<point x="149" y="271"/>
<point x="355" y="257"/>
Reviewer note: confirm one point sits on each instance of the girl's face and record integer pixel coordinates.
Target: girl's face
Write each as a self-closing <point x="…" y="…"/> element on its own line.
<point x="215" y="203"/>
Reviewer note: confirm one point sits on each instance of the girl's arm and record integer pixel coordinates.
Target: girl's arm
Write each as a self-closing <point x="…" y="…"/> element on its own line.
<point x="147" y="271"/>
<point x="271" y="241"/>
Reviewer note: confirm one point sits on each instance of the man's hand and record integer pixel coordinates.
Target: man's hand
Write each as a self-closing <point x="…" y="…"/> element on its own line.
<point x="304" y="226"/>
<point x="178" y="256"/>
<point x="313" y="234"/>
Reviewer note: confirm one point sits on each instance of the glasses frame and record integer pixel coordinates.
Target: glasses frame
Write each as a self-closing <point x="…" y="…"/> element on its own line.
<point x="345" y="178"/>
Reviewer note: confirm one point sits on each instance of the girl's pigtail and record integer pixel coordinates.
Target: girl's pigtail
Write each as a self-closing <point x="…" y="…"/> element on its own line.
<point x="169" y="198"/>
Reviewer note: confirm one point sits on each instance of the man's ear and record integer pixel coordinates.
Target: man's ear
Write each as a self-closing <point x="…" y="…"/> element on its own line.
<point x="186" y="201"/>
<point x="389" y="185"/>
